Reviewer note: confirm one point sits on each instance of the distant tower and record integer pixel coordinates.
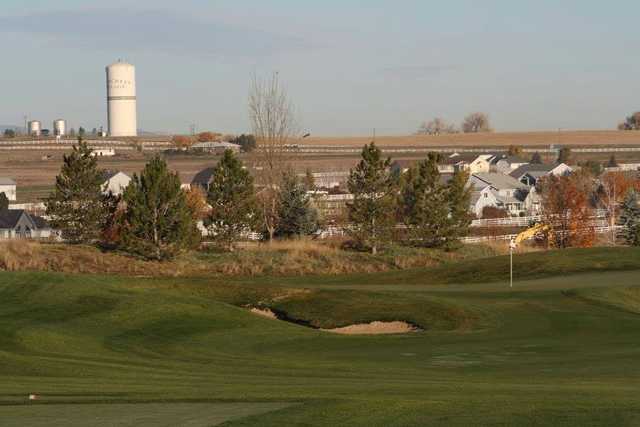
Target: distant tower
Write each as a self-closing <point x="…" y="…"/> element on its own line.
<point x="121" y="99"/>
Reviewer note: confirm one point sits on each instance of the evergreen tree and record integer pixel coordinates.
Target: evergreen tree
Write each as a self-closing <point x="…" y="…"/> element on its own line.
<point x="424" y="204"/>
<point x="372" y="212"/>
<point x="297" y="216"/>
<point x="232" y="199"/>
<point x="630" y="219"/>
<point x="81" y="131"/>
<point x="246" y="142"/>
<point x="76" y="205"/>
<point x="564" y="156"/>
<point x="613" y="163"/>
<point x="157" y="223"/>
<point x="4" y="202"/>
<point x="458" y="199"/>
<point x="536" y="159"/>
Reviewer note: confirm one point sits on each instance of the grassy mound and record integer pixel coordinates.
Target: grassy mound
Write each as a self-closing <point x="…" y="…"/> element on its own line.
<point x="527" y="266"/>
<point x="279" y="259"/>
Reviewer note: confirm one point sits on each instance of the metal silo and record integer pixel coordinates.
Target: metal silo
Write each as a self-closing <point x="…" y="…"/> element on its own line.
<point x="121" y="99"/>
<point x="34" y="128"/>
<point x="59" y="127"/>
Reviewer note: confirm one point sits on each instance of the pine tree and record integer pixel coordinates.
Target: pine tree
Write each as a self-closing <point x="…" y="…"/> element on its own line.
<point x="76" y="206"/>
<point x="297" y="216"/>
<point x="613" y="163"/>
<point x="630" y="219"/>
<point x="372" y="212"/>
<point x="4" y="202"/>
<point x="424" y="204"/>
<point x="458" y="199"/>
<point x="232" y="199"/>
<point x="536" y="159"/>
<point x="157" y="223"/>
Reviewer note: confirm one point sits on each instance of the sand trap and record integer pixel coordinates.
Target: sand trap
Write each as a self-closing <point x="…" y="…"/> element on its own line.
<point x="264" y="312"/>
<point x="375" y="328"/>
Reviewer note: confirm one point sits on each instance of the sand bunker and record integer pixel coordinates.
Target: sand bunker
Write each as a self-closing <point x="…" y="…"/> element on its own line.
<point x="264" y="312"/>
<point x="375" y="328"/>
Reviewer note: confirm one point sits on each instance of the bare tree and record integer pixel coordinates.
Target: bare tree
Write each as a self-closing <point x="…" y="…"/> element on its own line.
<point x="476" y="122"/>
<point x="274" y="126"/>
<point x="437" y="126"/>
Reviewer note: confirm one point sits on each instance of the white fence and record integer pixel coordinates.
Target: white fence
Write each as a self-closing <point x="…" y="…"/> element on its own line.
<point x="505" y="237"/>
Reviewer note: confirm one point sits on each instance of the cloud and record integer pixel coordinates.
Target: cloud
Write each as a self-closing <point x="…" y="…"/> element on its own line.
<point x="418" y="72"/>
<point x="150" y="30"/>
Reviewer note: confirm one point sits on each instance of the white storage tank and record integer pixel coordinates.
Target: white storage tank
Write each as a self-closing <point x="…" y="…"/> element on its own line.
<point x="34" y="128"/>
<point x="59" y="127"/>
<point x="121" y="99"/>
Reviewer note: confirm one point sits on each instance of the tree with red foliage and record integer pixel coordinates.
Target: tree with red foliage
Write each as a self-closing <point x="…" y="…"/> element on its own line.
<point x="567" y="210"/>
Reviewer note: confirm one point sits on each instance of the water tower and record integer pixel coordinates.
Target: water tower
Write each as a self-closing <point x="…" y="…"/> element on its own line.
<point x="121" y="99"/>
<point x="59" y="127"/>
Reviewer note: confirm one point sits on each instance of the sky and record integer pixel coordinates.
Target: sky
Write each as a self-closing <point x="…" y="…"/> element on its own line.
<point x="350" y="66"/>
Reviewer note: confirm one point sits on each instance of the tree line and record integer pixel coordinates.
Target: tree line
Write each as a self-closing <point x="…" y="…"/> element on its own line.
<point x="156" y="219"/>
<point x="472" y="123"/>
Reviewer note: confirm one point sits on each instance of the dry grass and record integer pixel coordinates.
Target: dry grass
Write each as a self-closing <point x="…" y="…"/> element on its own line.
<point x="282" y="258"/>
<point x="504" y="139"/>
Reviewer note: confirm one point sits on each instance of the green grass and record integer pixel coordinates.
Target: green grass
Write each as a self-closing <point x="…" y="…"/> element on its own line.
<point x="561" y="348"/>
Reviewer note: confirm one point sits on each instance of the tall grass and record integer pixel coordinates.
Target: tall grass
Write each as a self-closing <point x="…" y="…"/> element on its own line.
<point x="286" y="257"/>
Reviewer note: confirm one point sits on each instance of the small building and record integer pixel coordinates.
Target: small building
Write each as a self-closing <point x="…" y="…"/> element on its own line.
<point x="115" y="182"/>
<point x="19" y="224"/>
<point x="215" y="147"/>
<point x="8" y="187"/>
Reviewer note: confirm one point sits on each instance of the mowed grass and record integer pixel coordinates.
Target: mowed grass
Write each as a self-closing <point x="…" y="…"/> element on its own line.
<point x="556" y="350"/>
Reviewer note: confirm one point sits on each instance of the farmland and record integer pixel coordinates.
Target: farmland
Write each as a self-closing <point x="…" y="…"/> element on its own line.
<point x="559" y="349"/>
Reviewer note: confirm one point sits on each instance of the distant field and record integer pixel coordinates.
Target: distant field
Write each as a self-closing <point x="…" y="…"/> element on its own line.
<point x="560" y="348"/>
<point x="531" y="139"/>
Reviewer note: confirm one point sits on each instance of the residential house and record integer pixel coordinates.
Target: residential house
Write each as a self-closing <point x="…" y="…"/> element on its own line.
<point x="509" y="194"/>
<point x="8" y="187"/>
<point x="115" y="182"/>
<point x="470" y="162"/>
<point x="480" y="199"/>
<point x="216" y="147"/>
<point x="19" y="224"/>
<point x="531" y="173"/>
<point x="505" y="163"/>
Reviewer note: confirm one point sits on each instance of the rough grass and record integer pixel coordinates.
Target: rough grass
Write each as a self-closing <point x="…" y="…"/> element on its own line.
<point x="296" y="257"/>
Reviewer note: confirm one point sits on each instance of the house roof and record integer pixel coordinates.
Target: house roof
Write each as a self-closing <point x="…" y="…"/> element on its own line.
<point x="108" y="174"/>
<point x="203" y="177"/>
<point x="532" y="169"/>
<point x="509" y="158"/>
<point x="215" y="144"/>
<point x="498" y="180"/>
<point x="6" y="181"/>
<point x="460" y="158"/>
<point x="9" y="217"/>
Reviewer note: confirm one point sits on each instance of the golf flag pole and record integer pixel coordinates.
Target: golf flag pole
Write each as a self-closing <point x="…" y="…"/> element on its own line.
<point x="512" y="246"/>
